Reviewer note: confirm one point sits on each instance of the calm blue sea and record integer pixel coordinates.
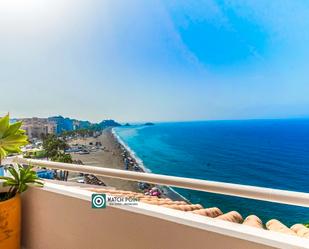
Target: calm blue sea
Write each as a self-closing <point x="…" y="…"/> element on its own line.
<point x="267" y="153"/>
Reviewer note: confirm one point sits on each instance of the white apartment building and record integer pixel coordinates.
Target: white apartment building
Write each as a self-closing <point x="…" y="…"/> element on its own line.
<point x="38" y="127"/>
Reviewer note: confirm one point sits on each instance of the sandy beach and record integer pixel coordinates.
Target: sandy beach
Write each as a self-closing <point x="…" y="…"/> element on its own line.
<point x="110" y="157"/>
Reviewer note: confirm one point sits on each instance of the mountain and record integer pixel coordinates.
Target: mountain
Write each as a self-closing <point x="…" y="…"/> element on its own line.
<point x="109" y="123"/>
<point x="63" y="124"/>
<point x="68" y="124"/>
<point x="104" y="124"/>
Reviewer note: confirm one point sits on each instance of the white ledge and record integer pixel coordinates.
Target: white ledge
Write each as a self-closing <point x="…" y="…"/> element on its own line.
<point x="260" y="236"/>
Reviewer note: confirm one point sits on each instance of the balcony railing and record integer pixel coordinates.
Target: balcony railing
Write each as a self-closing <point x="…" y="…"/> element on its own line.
<point x="251" y="192"/>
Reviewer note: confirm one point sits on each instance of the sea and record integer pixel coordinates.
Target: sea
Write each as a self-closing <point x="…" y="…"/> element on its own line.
<point x="266" y="153"/>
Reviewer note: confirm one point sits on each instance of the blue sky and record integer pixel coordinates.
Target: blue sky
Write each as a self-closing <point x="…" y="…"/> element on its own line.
<point x="155" y="60"/>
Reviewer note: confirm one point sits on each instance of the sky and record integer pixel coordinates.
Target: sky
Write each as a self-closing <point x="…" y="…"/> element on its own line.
<point x="154" y="60"/>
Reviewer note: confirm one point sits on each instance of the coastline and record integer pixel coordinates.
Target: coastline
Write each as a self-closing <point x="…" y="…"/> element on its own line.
<point x="109" y="156"/>
<point x="166" y="190"/>
<point x="116" y="154"/>
<point x="126" y="148"/>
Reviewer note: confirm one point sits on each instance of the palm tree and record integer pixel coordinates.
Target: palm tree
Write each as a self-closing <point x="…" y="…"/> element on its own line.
<point x="11" y="137"/>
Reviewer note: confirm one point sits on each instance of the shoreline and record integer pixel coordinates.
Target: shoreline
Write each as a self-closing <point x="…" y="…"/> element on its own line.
<point x="128" y="150"/>
<point x="114" y="153"/>
<point x="108" y="156"/>
<point x="166" y="190"/>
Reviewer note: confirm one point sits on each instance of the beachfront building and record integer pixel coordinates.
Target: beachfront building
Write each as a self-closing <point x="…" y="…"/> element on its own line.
<point x="38" y="127"/>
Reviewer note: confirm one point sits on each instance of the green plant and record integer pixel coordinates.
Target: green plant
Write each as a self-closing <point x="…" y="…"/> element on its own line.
<point x="35" y="154"/>
<point x="11" y="137"/>
<point x="53" y="146"/>
<point x="307" y="225"/>
<point x="63" y="158"/>
<point x="19" y="181"/>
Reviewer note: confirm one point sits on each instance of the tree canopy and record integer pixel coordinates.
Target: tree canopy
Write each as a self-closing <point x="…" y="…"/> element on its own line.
<point x="55" y="149"/>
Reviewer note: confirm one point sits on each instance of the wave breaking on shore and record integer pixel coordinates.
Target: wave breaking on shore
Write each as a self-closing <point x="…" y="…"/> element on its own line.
<point x="168" y="191"/>
<point x="138" y="160"/>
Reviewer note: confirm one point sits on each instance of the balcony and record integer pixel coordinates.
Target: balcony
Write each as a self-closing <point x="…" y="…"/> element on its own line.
<point x="59" y="216"/>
